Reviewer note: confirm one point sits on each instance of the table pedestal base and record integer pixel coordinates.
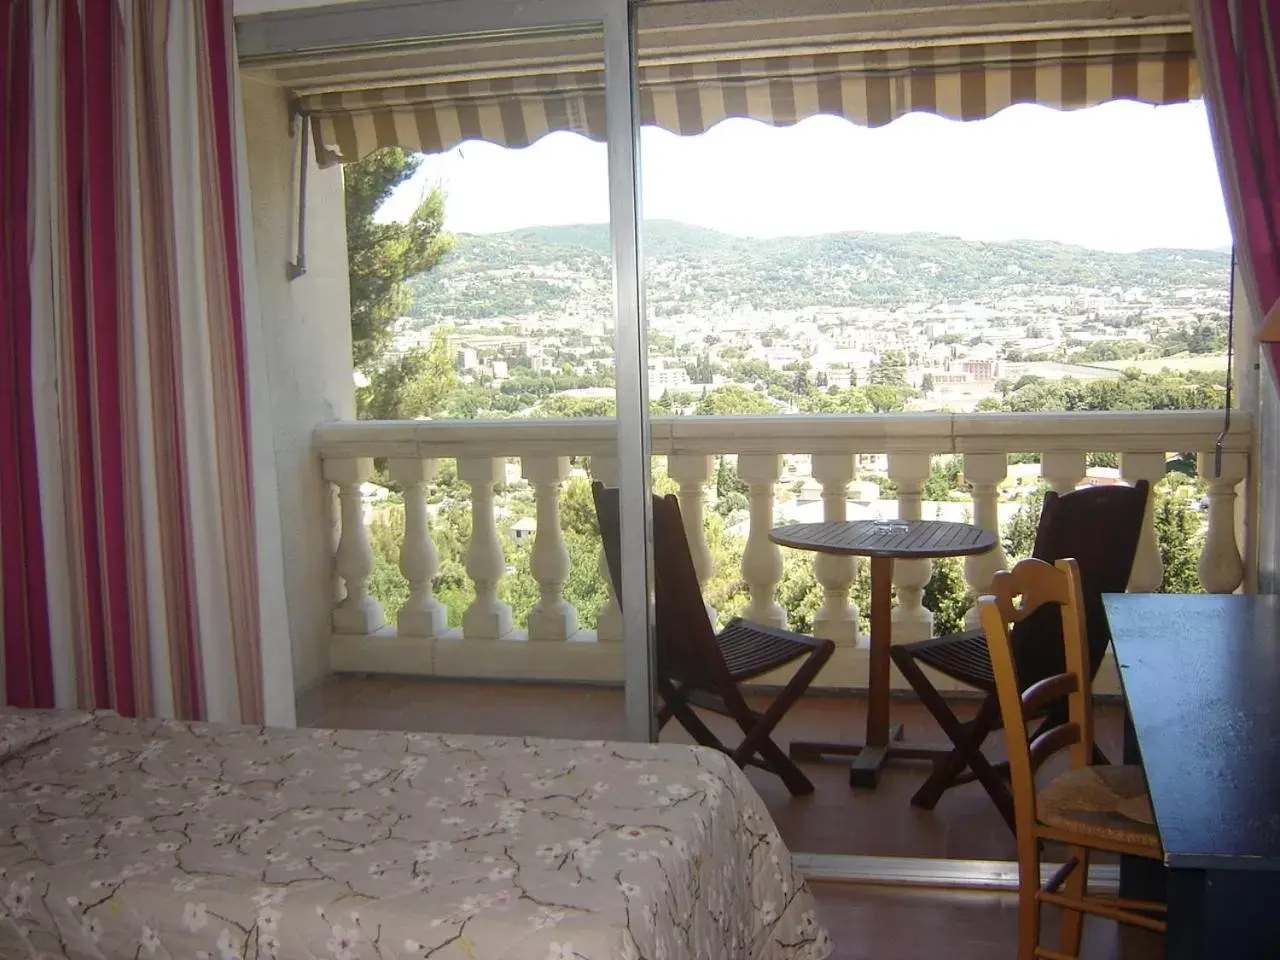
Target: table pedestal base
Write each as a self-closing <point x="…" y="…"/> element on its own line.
<point x="869" y="759"/>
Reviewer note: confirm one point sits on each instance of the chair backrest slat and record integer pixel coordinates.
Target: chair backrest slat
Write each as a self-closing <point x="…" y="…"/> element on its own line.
<point x="1099" y="528"/>
<point x="686" y="652"/>
<point x="1047" y="690"/>
<point x="684" y="629"/>
<point x="1055" y="589"/>
<point x="1051" y="741"/>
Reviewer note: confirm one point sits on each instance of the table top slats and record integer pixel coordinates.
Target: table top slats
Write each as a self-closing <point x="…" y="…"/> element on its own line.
<point x="923" y="539"/>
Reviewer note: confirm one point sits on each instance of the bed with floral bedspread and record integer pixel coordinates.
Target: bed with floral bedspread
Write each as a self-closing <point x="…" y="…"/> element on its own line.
<point x="152" y="839"/>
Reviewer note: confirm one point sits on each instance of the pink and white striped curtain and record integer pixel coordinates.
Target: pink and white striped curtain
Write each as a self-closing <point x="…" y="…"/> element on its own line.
<point x="1238" y="46"/>
<point x="127" y="567"/>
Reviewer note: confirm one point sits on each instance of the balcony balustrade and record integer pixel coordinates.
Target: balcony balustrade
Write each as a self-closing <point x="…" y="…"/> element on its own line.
<point x="417" y="640"/>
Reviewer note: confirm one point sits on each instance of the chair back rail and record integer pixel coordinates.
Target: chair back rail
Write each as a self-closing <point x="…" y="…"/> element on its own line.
<point x="1099" y="528"/>
<point x="685" y="640"/>
<point x="1032" y="586"/>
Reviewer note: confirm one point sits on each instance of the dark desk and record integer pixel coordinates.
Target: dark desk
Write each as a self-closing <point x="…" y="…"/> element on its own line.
<point x="1201" y="679"/>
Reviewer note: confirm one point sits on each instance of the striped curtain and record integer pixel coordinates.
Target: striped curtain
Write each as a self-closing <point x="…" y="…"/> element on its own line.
<point x="128" y="577"/>
<point x="870" y="87"/>
<point x="1238" y="44"/>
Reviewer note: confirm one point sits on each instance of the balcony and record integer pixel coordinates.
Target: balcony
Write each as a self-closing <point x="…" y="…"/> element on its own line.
<point x="416" y="640"/>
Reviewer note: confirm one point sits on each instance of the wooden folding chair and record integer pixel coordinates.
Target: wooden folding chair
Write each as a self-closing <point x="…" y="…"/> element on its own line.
<point x="1087" y="808"/>
<point x="1099" y="527"/>
<point x="698" y="667"/>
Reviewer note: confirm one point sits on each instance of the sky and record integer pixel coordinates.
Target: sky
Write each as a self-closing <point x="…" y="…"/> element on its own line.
<point x="1122" y="176"/>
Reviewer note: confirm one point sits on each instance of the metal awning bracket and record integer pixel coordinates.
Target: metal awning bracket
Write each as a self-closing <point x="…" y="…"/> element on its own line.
<point x="298" y="128"/>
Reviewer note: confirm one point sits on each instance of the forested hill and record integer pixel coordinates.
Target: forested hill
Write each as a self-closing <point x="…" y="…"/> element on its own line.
<point x="559" y="270"/>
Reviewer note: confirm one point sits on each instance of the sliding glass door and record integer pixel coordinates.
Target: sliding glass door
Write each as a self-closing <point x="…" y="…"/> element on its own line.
<point x="526" y="332"/>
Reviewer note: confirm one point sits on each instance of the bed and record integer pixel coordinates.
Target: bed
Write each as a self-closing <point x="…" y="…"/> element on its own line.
<point x="124" y="838"/>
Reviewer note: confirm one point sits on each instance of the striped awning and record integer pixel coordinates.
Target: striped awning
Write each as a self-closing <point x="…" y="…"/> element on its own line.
<point x="869" y="87"/>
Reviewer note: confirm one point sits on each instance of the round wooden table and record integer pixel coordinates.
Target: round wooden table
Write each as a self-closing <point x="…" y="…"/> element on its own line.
<point x="883" y="541"/>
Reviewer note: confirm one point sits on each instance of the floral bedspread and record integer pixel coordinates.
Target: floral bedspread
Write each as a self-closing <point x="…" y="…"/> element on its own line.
<point x="20" y="729"/>
<point x="121" y="838"/>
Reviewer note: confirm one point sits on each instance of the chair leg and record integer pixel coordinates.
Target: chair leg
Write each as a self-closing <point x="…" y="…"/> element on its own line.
<point x="784" y="767"/>
<point x="697" y="729"/>
<point x="1075" y="886"/>
<point x="1028" y="902"/>
<point x="945" y="771"/>
<point x="968" y="739"/>
<point x="758" y="729"/>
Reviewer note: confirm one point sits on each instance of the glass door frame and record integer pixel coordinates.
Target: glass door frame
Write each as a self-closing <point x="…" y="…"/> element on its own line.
<point x="295" y="26"/>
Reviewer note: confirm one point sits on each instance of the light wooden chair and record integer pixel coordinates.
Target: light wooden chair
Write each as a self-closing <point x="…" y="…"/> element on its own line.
<point x="1088" y="807"/>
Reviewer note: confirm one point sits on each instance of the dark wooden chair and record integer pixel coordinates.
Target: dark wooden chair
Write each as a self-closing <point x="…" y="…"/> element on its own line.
<point x="1099" y="527"/>
<point x="1090" y="806"/>
<point x="698" y="667"/>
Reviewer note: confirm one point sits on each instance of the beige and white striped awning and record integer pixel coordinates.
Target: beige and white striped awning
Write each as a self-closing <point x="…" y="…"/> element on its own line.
<point x="870" y="87"/>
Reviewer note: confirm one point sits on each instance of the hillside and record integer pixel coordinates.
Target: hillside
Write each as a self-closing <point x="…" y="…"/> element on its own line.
<point x="559" y="271"/>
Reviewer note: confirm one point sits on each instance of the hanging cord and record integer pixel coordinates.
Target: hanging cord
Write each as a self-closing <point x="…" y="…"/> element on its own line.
<point x="1231" y="351"/>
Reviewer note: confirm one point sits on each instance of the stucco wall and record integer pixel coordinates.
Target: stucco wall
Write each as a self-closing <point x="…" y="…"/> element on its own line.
<point x="307" y="347"/>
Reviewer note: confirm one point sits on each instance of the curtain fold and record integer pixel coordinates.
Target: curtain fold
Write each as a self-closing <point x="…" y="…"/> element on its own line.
<point x="131" y="520"/>
<point x="24" y="615"/>
<point x="1238" y="45"/>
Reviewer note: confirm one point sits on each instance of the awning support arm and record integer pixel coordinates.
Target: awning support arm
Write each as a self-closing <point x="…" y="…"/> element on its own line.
<point x="298" y="128"/>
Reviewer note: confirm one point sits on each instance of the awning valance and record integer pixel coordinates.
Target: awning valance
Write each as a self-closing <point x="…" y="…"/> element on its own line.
<point x="871" y="87"/>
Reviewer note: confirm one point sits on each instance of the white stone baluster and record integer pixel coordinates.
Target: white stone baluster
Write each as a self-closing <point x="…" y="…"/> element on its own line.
<point x="837" y="619"/>
<point x="1062" y="469"/>
<point x="422" y="615"/>
<point x="911" y="620"/>
<point x="762" y="559"/>
<point x="1148" y="568"/>
<point x="985" y="472"/>
<point x="487" y="618"/>
<point x="1221" y="567"/>
<point x="357" y="613"/>
<point x="552" y="617"/>
<point x="609" y="616"/>
<point x="692" y="471"/>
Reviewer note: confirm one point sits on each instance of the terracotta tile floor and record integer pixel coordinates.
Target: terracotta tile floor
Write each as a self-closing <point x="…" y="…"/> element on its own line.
<point x="868" y="923"/>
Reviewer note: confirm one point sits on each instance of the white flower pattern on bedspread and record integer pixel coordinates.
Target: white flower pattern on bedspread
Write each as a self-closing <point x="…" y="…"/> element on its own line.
<point x="150" y="839"/>
<point x="20" y="729"/>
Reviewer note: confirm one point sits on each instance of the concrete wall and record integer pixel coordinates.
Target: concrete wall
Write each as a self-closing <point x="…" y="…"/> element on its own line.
<point x="307" y="347"/>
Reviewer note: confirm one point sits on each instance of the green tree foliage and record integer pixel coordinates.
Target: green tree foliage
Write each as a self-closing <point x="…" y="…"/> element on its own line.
<point x="948" y="596"/>
<point x="1180" y="540"/>
<point x="943" y="482"/>
<point x="1192" y="390"/>
<point x="701" y="370"/>
<point x="1019" y="534"/>
<point x="412" y="385"/>
<point x="733" y="399"/>
<point x="887" y="398"/>
<point x="890" y="369"/>
<point x="731" y="490"/>
<point x="562" y="405"/>
<point x="836" y="400"/>
<point x="380" y="258"/>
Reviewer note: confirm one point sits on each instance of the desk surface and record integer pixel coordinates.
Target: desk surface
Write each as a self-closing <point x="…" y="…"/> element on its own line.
<point x="1201" y="676"/>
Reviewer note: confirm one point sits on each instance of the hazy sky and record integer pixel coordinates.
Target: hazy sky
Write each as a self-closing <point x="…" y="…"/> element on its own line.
<point x="1122" y="176"/>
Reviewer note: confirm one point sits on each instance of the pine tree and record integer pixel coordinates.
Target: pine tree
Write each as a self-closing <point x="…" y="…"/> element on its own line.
<point x="381" y="257"/>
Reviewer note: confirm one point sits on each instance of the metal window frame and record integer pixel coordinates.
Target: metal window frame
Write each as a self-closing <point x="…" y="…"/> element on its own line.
<point x="336" y="26"/>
